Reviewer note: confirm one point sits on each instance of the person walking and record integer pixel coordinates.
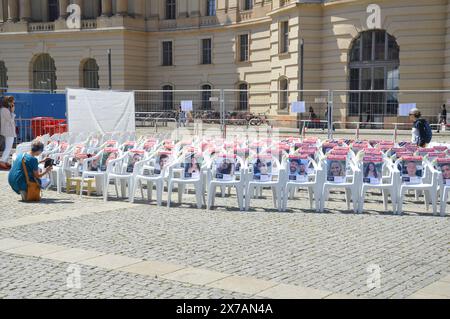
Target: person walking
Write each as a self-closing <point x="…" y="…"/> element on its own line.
<point x="421" y="130"/>
<point x="8" y="129"/>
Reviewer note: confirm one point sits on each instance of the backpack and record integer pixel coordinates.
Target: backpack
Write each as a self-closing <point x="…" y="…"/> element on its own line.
<point x="426" y="132"/>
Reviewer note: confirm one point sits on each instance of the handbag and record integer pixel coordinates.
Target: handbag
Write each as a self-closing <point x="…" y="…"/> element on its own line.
<point x="33" y="188"/>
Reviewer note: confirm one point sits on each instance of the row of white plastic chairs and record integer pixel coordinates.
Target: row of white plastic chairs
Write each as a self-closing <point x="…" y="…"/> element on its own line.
<point x="283" y="188"/>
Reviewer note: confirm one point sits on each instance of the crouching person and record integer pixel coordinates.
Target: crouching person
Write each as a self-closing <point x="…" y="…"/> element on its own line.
<point x="24" y="176"/>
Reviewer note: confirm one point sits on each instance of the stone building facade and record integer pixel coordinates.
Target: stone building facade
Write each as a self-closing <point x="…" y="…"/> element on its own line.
<point x="249" y="47"/>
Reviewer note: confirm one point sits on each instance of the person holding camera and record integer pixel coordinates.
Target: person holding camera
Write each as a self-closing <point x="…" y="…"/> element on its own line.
<point x="26" y="169"/>
<point x="7" y="129"/>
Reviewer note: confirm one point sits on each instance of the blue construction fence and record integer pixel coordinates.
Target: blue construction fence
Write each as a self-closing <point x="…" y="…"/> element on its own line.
<point x="32" y="105"/>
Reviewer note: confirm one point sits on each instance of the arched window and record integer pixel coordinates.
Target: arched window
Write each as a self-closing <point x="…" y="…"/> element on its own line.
<point x="243" y="97"/>
<point x="283" y="96"/>
<point x="3" y="77"/>
<point x="167" y="97"/>
<point x="90" y="74"/>
<point x="206" y="95"/>
<point x="374" y="65"/>
<point x="53" y="10"/>
<point x="44" y="73"/>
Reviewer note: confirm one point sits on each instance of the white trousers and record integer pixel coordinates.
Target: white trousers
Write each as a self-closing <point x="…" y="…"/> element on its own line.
<point x="9" y="141"/>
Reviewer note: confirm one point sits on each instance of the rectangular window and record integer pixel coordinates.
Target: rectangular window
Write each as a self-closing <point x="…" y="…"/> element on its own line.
<point x="243" y="48"/>
<point x="171" y="9"/>
<point x="206" y="51"/>
<point x="211" y="8"/>
<point x="248" y="4"/>
<point x="284" y="37"/>
<point x="167" y="53"/>
<point x="53" y="10"/>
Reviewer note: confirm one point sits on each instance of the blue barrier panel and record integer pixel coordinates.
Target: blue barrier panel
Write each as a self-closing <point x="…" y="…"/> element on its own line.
<point x="29" y="105"/>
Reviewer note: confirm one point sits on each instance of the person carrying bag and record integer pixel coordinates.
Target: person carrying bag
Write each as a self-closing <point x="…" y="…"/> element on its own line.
<point x="24" y="176"/>
<point x="33" y="193"/>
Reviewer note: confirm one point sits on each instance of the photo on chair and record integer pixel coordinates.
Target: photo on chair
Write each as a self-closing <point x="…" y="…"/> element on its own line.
<point x="108" y="155"/>
<point x="412" y="170"/>
<point x="298" y="169"/>
<point x="225" y="168"/>
<point x="262" y="169"/>
<point x="336" y="169"/>
<point x="128" y="146"/>
<point x="372" y="170"/>
<point x="192" y="166"/>
<point x="443" y="165"/>
<point x="134" y="156"/>
<point x="162" y="159"/>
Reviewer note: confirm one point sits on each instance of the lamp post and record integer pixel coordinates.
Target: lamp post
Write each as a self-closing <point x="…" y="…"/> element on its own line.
<point x="302" y="46"/>
<point x="109" y="70"/>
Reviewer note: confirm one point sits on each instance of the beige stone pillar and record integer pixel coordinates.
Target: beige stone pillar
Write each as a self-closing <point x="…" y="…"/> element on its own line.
<point x="63" y="14"/>
<point x="139" y="8"/>
<point x="195" y="8"/>
<point x="122" y="8"/>
<point x="25" y="10"/>
<point x="106" y="8"/>
<point x="13" y="11"/>
<point x="182" y="8"/>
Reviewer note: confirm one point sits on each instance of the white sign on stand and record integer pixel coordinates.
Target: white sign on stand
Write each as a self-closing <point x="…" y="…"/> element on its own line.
<point x="405" y="108"/>
<point x="186" y="106"/>
<point x="298" y="107"/>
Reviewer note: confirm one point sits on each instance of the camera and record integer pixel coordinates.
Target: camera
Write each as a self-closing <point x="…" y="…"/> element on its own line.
<point x="49" y="162"/>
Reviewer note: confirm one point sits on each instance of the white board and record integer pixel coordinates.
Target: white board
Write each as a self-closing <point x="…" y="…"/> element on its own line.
<point x="405" y="108"/>
<point x="186" y="106"/>
<point x="100" y="111"/>
<point x="298" y="107"/>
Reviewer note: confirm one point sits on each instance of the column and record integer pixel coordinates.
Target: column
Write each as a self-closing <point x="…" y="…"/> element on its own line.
<point x="80" y="4"/>
<point x="25" y="10"/>
<point x="106" y="8"/>
<point x="13" y="11"/>
<point x="195" y="7"/>
<point x="182" y="8"/>
<point x="63" y="14"/>
<point x="139" y="10"/>
<point x="122" y="8"/>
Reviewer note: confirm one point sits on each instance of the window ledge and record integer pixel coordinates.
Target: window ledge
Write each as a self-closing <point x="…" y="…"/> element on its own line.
<point x="284" y="55"/>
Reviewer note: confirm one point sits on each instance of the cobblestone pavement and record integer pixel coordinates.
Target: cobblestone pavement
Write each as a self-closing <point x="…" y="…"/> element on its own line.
<point x="332" y="251"/>
<point x="30" y="277"/>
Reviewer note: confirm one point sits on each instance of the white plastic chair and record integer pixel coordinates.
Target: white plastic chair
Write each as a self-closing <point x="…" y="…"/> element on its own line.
<point x="428" y="186"/>
<point x="99" y="175"/>
<point x="151" y="178"/>
<point x="388" y="186"/>
<point x="176" y="173"/>
<point x="275" y="183"/>
<point x="313" y="184"/>
<point x="236" y="181"/>
<point x="444" y="190"/>
<point x="116" y="171"/>
<point x="351" y="185"/>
